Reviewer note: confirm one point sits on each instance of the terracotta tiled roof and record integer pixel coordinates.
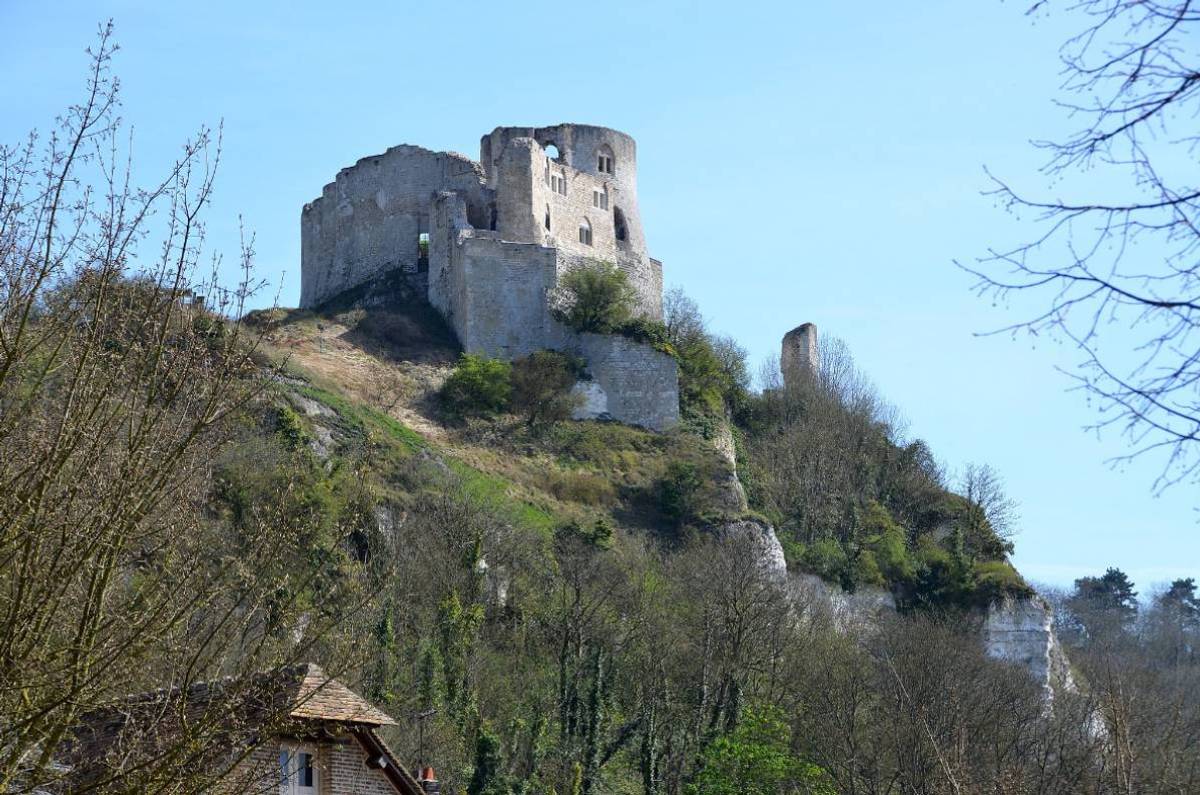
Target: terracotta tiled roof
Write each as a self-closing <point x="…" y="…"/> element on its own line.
<point x="318" y="696"/>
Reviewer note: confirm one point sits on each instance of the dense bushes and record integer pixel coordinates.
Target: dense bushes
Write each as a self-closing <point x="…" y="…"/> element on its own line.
<point x="538" y="386"/>
<point x="541" y="386"/>
<point x="479" y="386"/>
<point x="713" y="377"/>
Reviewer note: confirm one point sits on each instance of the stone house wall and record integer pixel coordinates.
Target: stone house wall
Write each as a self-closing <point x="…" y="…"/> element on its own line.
<point x="341" y="766"/>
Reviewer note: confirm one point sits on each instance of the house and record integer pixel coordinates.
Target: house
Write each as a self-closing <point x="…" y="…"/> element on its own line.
<point x="291" y="731"/>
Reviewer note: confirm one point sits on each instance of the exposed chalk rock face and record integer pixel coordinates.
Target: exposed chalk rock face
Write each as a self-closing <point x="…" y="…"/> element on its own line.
<point x="762" y="539"/>
<point x="1022" y="631"/>
<point x="495" y="582"/>
<point x="593" y="401"/>
<point x="853" y="613"/>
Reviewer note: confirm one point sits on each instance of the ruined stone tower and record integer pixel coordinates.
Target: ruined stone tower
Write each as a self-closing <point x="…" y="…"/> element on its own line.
<point x="487" y="242"/>
<point x="799" y="358"/>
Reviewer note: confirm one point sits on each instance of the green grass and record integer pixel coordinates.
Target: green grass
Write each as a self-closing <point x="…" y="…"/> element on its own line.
<point x="488" y="490"/>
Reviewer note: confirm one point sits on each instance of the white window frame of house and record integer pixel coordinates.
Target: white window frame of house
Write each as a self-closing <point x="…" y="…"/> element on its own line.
<point x="600" y="198"/>
<point x="290" y="780"/>
<point x="604" y="163"/>
<point x="585" y="232"/>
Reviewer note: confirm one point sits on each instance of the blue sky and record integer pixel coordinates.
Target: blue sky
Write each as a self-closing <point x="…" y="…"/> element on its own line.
<point x="818" y="161"/>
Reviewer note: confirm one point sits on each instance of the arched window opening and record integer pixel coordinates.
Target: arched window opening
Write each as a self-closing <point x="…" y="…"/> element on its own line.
<point x="585" y="232"/>
<point x="547" y="222"/>
<point x="551" y="151"/>
<point x="619" y="228"/>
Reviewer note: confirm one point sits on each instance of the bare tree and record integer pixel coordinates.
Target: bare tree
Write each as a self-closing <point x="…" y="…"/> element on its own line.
<point x="1118" y="277"/>
<point x="987" y="502"/>
<point x="116" y="391"/>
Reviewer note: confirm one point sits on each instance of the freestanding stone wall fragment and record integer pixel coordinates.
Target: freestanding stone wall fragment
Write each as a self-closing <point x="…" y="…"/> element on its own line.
<point x="799" y="358"/>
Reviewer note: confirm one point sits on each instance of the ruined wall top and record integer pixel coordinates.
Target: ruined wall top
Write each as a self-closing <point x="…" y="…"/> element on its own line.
<point x="579" y="146"/>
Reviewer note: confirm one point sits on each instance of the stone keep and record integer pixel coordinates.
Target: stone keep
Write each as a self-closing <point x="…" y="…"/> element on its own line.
<point x="490" y="240"/>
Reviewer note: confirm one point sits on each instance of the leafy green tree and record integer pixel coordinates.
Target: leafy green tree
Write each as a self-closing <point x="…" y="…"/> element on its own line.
<point x="478" y="386"/>
<point x="488" y="777"/>
<point x="712" y="370"/>
<point x="597" y="298"/>
<point x="756" y="759"/>
<point x="679" y="491"/>
<point x="1112" y="593"/>
<point x="541" y="386"/>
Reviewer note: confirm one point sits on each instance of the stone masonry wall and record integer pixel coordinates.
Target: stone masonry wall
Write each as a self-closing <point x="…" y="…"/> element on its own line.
<point x="641" y="384"/>
<point x="369" y="219"/>
<point x="799" y="356"/>
<point x="527" y="192"/>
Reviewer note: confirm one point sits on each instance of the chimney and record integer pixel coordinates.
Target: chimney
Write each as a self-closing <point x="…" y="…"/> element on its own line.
<point x="428" y="781"/>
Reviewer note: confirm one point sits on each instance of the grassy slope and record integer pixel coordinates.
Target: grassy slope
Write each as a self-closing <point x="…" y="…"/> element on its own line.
<point x="380" y="383"/>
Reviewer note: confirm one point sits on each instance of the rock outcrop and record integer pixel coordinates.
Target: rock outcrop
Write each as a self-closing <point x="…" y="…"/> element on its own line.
<point x="760" y="537"/>
<point x="1022" y="632"/>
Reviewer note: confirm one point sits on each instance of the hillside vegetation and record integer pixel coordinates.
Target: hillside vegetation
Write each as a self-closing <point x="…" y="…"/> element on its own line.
<point x="189" y="491"/>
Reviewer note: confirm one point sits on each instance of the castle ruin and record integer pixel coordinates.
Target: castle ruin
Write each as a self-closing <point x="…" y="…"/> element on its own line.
<point x="799" y="356"/>
<point x="487" y="242"/>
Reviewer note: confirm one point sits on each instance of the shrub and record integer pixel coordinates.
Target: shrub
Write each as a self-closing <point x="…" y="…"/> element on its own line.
<point x="712" y="370"/>
<point x="679" y="491"/>
<point x="289" y="426"/>
<point x="866" y="570"/>
<point x="541" y="386"/>
<point x="827" y="559"/>
<point x="478" y="386"/>
<point x="888" y="542"/>
<point x="583" y="487"/>
<point x="597" y="297"/>
<point x="756" y="758"/>
<point x="996" y="579"/>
